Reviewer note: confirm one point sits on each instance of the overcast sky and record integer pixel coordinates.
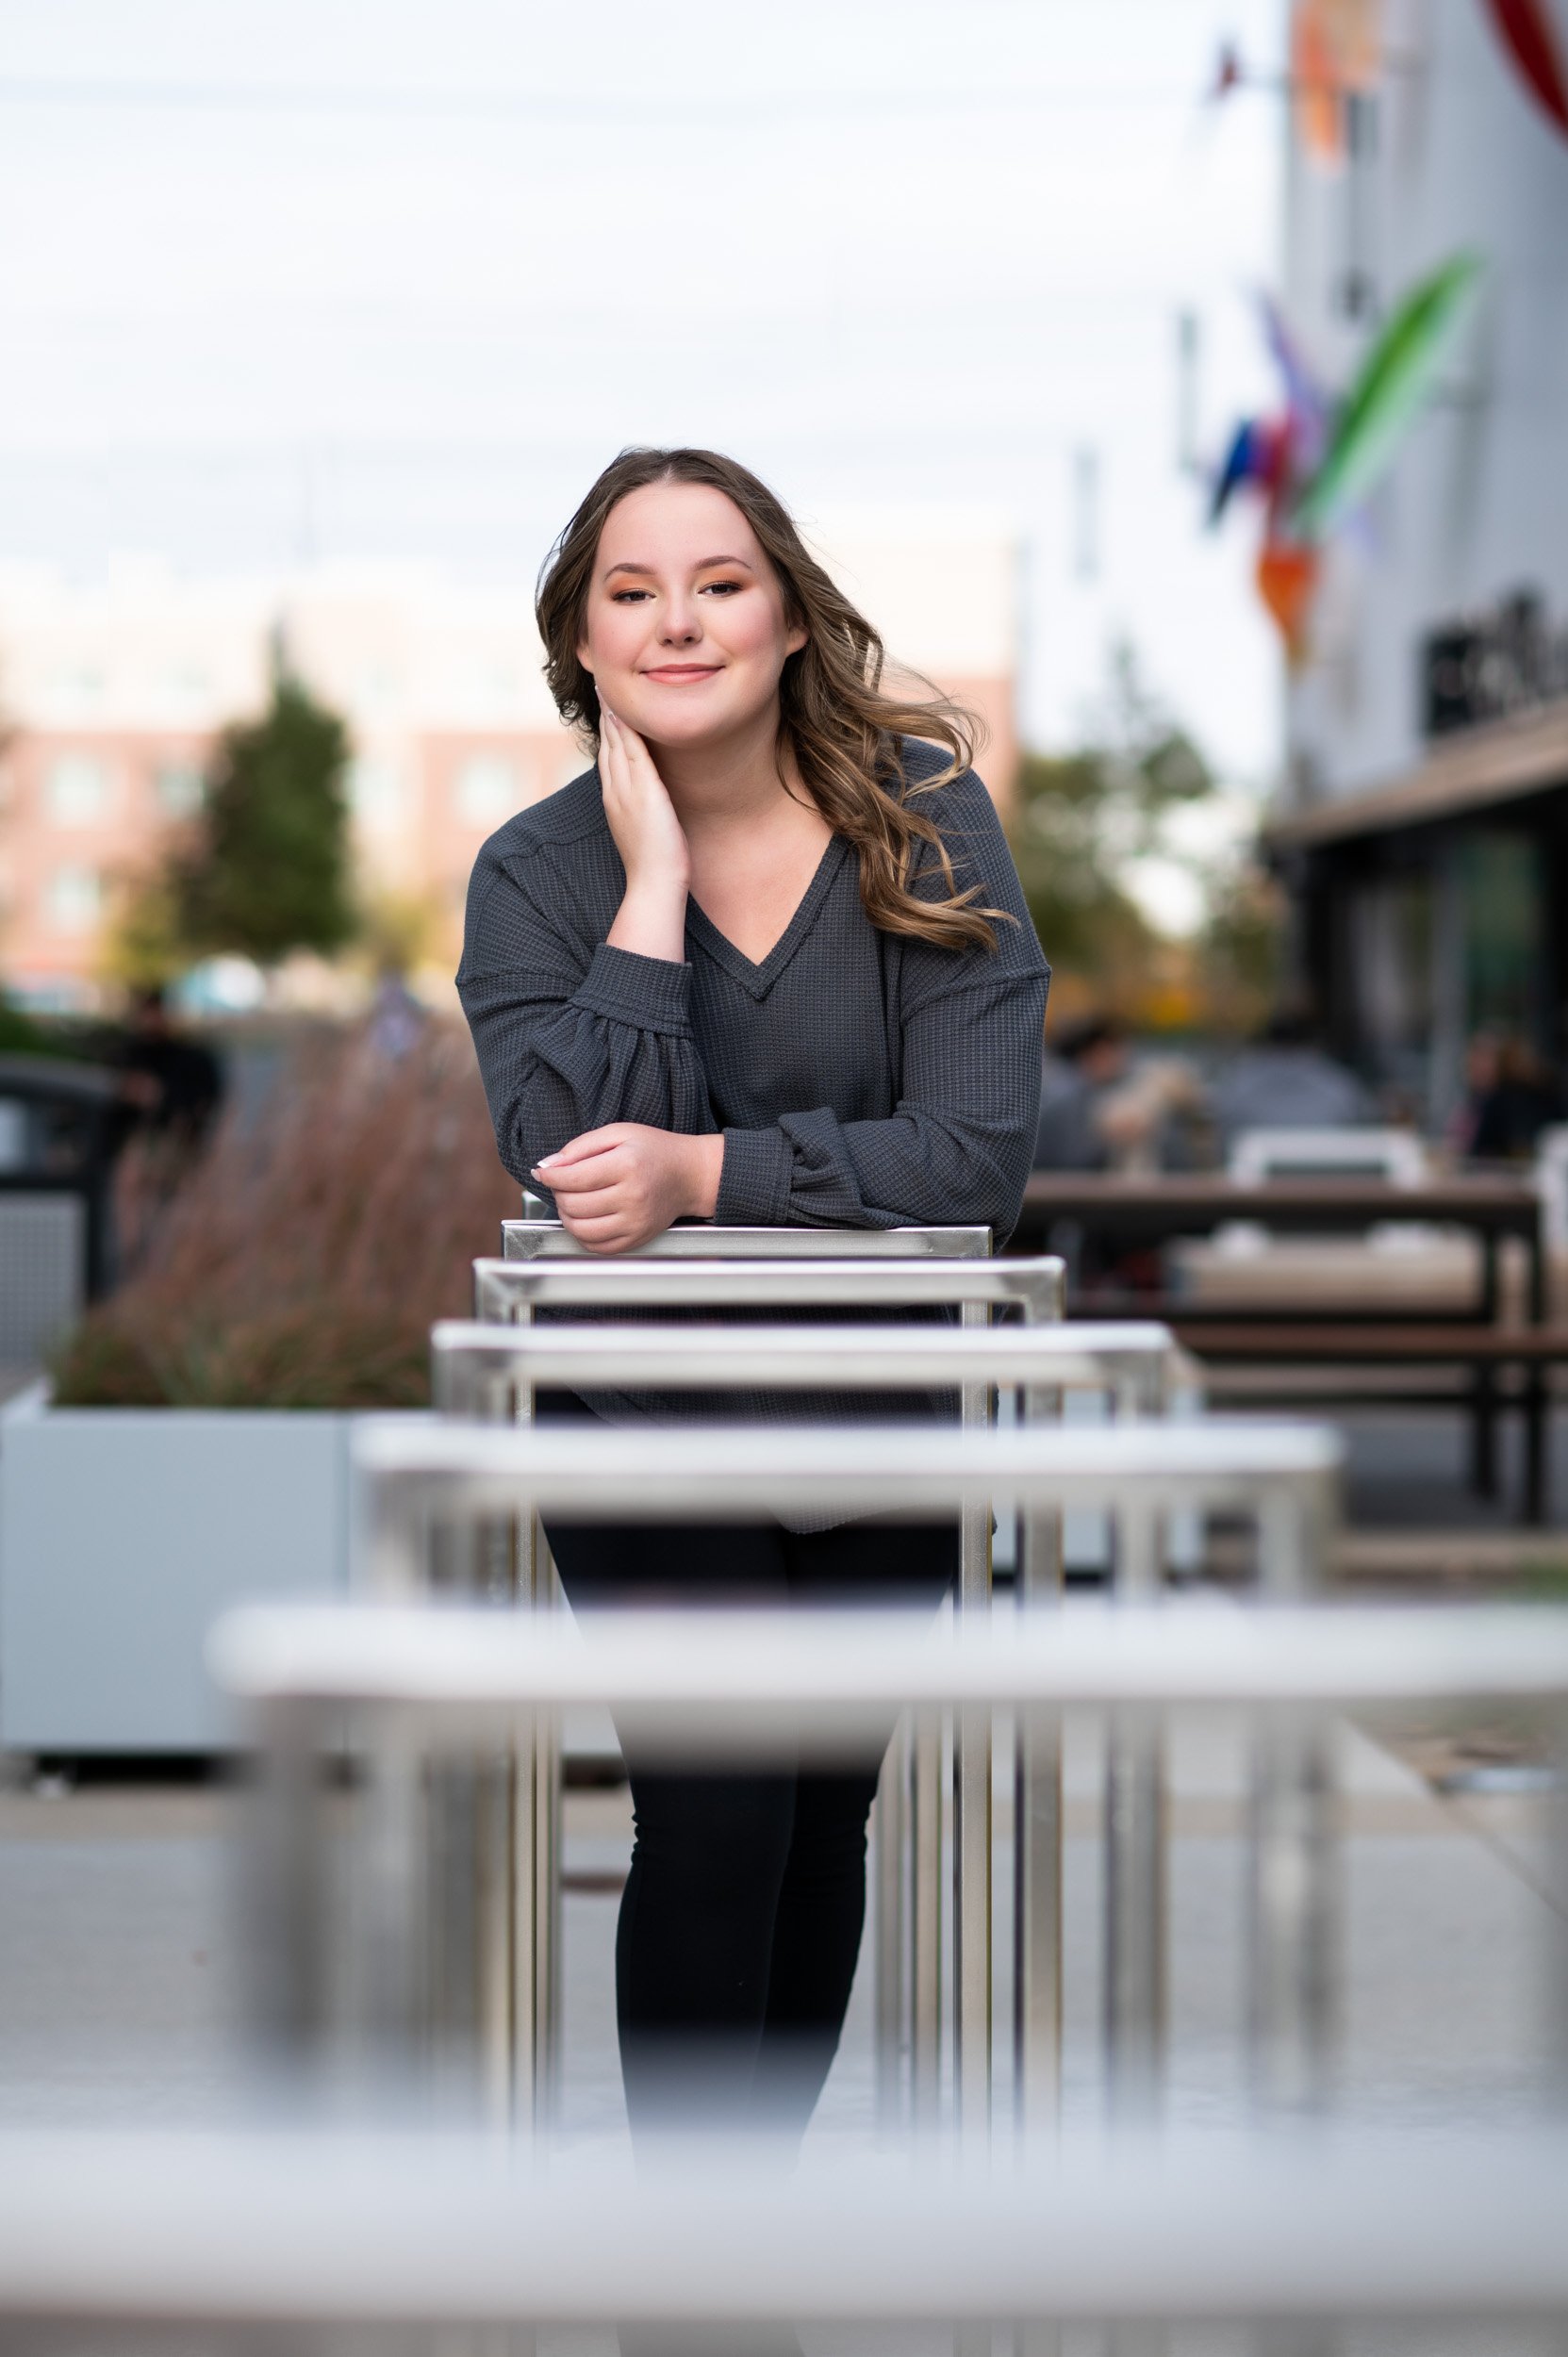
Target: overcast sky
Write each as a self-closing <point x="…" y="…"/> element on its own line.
<point x="317" y="279"/>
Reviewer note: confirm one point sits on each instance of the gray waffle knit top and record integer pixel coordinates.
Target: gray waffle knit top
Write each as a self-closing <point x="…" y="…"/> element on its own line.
<point x="860" y="1078"/>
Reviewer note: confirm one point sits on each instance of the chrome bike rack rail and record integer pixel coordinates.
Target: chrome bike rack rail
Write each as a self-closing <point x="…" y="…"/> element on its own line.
<point x="699" y="1240"/>
<point x="451" y="1474"/>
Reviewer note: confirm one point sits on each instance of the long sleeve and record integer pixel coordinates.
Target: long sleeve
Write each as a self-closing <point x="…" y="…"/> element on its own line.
<point x="957" y="1143"/>
<point x="570" y="1034"/>
<point x="956" y="1148"/>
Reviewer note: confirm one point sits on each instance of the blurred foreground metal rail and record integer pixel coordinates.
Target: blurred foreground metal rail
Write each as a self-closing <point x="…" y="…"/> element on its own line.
<point x="408" y="1681"/>
<point x="747" y="1682"/>
<point x="1286" y="1472"/>
<point x="279" y="2229"/>
<point x="451" y="1475"/>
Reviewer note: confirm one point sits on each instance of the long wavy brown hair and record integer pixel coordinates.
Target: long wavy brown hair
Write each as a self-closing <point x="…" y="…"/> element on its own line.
<point x="834" y="717"/>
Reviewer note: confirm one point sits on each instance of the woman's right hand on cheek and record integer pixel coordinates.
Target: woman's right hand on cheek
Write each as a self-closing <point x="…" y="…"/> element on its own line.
<point x="641" y="815"/>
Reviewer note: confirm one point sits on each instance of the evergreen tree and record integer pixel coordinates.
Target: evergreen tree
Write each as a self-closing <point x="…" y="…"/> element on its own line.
<point x="267" y="869"/>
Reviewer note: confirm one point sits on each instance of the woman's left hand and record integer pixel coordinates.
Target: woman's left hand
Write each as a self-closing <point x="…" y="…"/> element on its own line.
<point x="618" y="1187"/>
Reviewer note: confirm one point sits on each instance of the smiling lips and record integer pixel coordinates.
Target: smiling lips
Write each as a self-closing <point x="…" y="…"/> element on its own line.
<point x="682" y="674"/>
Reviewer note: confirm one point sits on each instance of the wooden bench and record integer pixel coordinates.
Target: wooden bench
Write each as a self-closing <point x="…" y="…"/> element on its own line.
<point x="1479" y="1353"/>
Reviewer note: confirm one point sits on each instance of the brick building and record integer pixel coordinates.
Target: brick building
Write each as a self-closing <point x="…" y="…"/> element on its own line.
<point x="112" y="691"/>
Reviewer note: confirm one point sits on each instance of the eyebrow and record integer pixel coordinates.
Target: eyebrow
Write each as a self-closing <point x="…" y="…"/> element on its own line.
<point x="705" y="564"/>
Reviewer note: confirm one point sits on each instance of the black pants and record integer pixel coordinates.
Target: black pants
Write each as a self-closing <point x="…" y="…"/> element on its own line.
<point x="742" y="1913"/>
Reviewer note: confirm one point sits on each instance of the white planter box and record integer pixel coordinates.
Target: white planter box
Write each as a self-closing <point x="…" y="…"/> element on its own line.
<point x="124" y="1533"/>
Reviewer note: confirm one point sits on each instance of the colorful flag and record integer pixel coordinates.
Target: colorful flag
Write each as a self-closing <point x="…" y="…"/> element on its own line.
<point x="1395" y="381"/>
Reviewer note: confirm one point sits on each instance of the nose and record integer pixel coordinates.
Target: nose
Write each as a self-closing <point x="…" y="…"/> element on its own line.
<point x="680" y="622"/>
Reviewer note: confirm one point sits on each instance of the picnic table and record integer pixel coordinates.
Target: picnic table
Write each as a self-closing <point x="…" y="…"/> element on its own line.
<point x="1142" y="1211"/>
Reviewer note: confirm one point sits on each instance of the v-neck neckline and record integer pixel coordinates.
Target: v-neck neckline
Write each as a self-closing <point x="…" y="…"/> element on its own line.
<point x="759" y="976"/>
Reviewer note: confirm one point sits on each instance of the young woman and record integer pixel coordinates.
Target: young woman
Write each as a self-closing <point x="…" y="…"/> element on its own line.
<point x="768" y="964"/>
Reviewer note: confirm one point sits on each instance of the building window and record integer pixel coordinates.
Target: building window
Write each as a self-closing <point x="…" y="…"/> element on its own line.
<point x="375" y="789"/>
<point x="188" y="683"/>
<point x="73" y="899"/>
<point x="488" y="789"/>
<point x="80" y="686"/>
<point x="76" y="790"/>
<point x="179" y="788"/>
<point x="379" y="687"/>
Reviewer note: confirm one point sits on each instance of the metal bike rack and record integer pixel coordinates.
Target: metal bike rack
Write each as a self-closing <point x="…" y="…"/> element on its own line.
<point x="902" y="1269"/>
<point x="538" y="1238"/>
<point x="238" y="2231"/>
<point x="451" y="1474"/>
<point x="479" y="1370"/>
<point x="509" y="1291"/>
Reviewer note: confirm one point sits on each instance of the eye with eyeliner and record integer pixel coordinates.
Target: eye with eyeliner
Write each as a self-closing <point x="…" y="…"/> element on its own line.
<point x="626" y="597"/>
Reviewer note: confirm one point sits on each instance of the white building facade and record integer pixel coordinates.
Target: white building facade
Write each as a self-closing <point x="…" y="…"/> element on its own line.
<point x="1424" y="825"/>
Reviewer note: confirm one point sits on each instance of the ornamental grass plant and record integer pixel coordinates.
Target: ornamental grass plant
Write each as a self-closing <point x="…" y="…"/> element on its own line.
<point x="301" y="1262"/>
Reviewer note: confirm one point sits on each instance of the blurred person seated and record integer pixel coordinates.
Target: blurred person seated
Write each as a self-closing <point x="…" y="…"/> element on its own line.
<point x="1286" y="1080"/>
<point x="1084" y="1064"/>
<point x="1102" y="1111"/>
<point x="1099" y="1109"/>
<point x="1510" y="1098"/>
